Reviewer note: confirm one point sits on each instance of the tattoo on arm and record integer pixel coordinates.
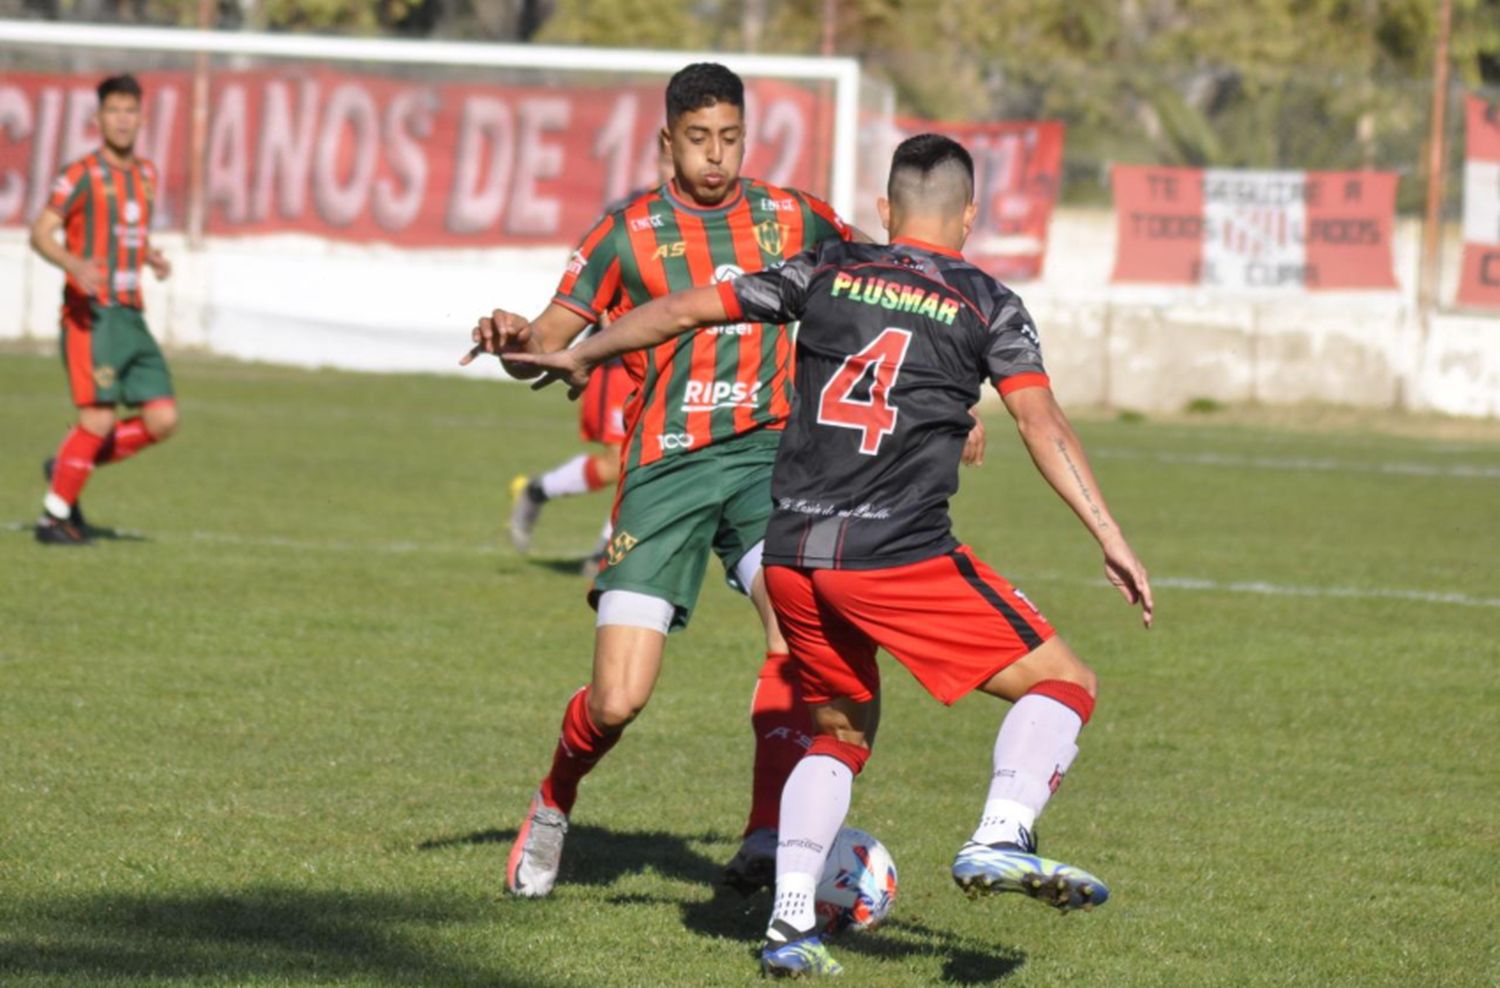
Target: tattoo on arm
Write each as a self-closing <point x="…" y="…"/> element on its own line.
<point x="1083" y="488"/>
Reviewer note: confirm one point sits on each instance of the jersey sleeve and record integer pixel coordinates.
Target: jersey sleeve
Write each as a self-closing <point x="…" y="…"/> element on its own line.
<point x="824" y="223"/>
<point x="591" y="283"/>
<point x="1013" y="351"/>
<point x="69" y="189"/>
<point x="776" y="296"/>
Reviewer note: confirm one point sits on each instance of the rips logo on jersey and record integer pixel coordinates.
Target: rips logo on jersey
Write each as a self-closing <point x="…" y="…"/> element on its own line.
<point x="705" y="396"/>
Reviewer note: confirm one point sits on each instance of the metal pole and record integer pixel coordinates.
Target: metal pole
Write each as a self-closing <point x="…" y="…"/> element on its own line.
<point x="198" y="141"/>
<point x="1432" y="225"/>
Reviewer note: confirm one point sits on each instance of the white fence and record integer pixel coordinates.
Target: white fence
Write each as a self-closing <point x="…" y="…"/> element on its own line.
<point x="304" y="301"/>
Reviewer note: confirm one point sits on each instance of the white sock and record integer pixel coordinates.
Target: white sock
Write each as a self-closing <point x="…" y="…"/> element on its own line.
<point x="567" y="479"/>
<point x="1036" y="744"/>
<point x="813" y="806"/>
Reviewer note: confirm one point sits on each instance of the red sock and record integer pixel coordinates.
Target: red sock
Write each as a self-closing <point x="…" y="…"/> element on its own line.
<point x="75" y="461"/>
<point x="579" y="748"/>
<point x="127" y="439"/>
<point x="783" y="732"/>
<point x="591" y="474"/>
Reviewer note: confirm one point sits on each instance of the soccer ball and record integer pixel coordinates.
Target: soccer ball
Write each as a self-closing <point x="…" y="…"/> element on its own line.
<point x="858" y="885"/>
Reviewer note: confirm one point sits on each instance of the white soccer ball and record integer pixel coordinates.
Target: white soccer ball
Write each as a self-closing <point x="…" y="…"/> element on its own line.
<point x="858" y="885"/>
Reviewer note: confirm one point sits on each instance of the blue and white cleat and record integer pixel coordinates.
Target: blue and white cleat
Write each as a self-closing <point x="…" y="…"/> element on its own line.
<point x="986" y="869"/>
<point x="796" y="955"/>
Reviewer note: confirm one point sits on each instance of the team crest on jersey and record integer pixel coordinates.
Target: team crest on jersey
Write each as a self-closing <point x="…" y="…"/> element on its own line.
<point x="620" y="545"/>
<point x="771" y="236"/>
<point x="104" y="377"/>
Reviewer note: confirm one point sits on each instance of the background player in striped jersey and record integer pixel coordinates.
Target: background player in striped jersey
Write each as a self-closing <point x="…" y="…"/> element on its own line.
<point x="601" y="419"/>
<point x="702" y="430"/>
<point x="894" y="345"/>
<point x="103" y="202"/>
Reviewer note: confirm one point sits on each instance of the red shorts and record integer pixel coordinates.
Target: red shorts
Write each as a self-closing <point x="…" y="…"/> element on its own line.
<point x="951" y="620"/>
<point x="601" y="413"/>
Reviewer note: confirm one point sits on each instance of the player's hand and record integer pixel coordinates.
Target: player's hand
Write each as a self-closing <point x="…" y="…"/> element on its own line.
<point x="160" y="266"/>
<point x="500" y="333"/>
<point x="973" y="455"/>
<point x="1125" y="572"/>
<point x="563" y="365"/>
<point x="89" y="274"/>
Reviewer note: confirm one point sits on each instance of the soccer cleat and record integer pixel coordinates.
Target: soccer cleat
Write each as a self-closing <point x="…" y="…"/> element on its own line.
<point x="754" y="864"/>
<point x="526" y="508"/>
<point x="59" y="531"/>
<point x="75" y="516"/>
<point x="531" y="870"/>
<point x="986" y="869"/>
<point x="791" y="953"/>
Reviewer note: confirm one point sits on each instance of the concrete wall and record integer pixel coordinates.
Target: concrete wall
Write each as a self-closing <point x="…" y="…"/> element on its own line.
<point x="304" y="301"/>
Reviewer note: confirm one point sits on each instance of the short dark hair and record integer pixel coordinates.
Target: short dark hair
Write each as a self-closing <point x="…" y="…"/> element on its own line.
<point x="924" y="153"/>
<point x="121" y="85"/>
<point x="703" y="84"/>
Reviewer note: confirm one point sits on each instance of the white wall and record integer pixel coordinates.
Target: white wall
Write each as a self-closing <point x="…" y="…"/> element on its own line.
<point x="295" y="299"/>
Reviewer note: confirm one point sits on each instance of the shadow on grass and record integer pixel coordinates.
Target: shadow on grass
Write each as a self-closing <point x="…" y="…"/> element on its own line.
<point x="729" y="915"/>
<point x="275" y="935"/>
<point x="598" y="856"/>
<point x="100" y="533"/>
<point x="567" y="566"/>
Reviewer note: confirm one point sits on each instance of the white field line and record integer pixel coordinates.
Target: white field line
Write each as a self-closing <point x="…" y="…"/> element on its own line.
<point x="1468" y="471"/>
<point x="1191" y="584"/>
<point x="1265" y="589"/>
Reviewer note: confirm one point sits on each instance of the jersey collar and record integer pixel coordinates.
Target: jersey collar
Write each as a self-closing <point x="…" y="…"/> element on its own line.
<point x="924" y="245"/>
<point x="682" y="202"/>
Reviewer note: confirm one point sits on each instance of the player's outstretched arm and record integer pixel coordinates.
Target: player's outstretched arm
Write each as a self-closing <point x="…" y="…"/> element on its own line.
<point x="506" y="334"/>
<point x="652" y="324"/>
<point x="1058" y="454"/>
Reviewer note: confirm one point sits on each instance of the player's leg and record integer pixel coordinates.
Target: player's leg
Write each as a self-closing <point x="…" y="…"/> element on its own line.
<point x="779" y="719"/>
<point x="146" y="383"/>
<point x="87" y="346"/>
<point x="580" y="474"/>
<point x="67" y="471"/>
<point x="959" y="626"/>
<point x="648" y="587"/>
<point x="836" y="668"/>
<point x="628" y="647"/>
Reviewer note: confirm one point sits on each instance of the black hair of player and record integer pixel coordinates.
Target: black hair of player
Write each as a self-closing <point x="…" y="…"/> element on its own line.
<point x="119" y="85"/>
<point x="924" y="152"/>
<point x="703" y="84"/>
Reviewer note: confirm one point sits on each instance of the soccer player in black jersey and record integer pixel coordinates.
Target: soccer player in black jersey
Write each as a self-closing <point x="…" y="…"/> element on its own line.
<point x="895" y="343"/>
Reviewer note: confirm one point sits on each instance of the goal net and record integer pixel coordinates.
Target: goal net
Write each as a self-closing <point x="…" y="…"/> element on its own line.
<point x="357" y="202"/>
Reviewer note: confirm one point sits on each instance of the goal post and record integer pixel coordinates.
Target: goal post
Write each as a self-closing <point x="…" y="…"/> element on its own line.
<point x="420" y="182"/>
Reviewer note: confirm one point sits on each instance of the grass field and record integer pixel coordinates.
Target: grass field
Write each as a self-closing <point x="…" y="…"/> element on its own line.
<point x="281" y="729"/>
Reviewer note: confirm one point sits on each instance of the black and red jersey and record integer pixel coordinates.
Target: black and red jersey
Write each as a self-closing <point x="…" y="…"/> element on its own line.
<point x="894" y="345"/>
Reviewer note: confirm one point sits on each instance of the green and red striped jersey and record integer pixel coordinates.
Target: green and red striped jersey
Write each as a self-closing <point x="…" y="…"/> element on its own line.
<point x="717" y="383"/>
<point x="107" y="213"/>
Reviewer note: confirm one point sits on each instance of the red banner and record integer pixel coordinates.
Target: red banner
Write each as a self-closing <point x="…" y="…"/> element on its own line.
<point x="1017" y="174"/>
<point x="363" y="157"/>
<point x="1254" y="229"/>
<point x="1479" y="281"/>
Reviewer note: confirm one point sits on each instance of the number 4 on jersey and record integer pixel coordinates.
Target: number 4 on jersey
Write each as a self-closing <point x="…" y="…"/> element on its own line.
<point x="874" y="417"/>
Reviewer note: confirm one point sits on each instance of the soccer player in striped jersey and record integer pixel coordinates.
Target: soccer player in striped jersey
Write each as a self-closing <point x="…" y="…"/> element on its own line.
<point x="894" y="345"/>
<point x="103" y="203"/>
<point x="702" y="428"/>
<point x="601" y="419"/>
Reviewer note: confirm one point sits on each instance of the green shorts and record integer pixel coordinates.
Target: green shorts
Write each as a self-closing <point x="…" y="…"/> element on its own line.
<point x="110" y="356"/>
<point x="673" y="512"/>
